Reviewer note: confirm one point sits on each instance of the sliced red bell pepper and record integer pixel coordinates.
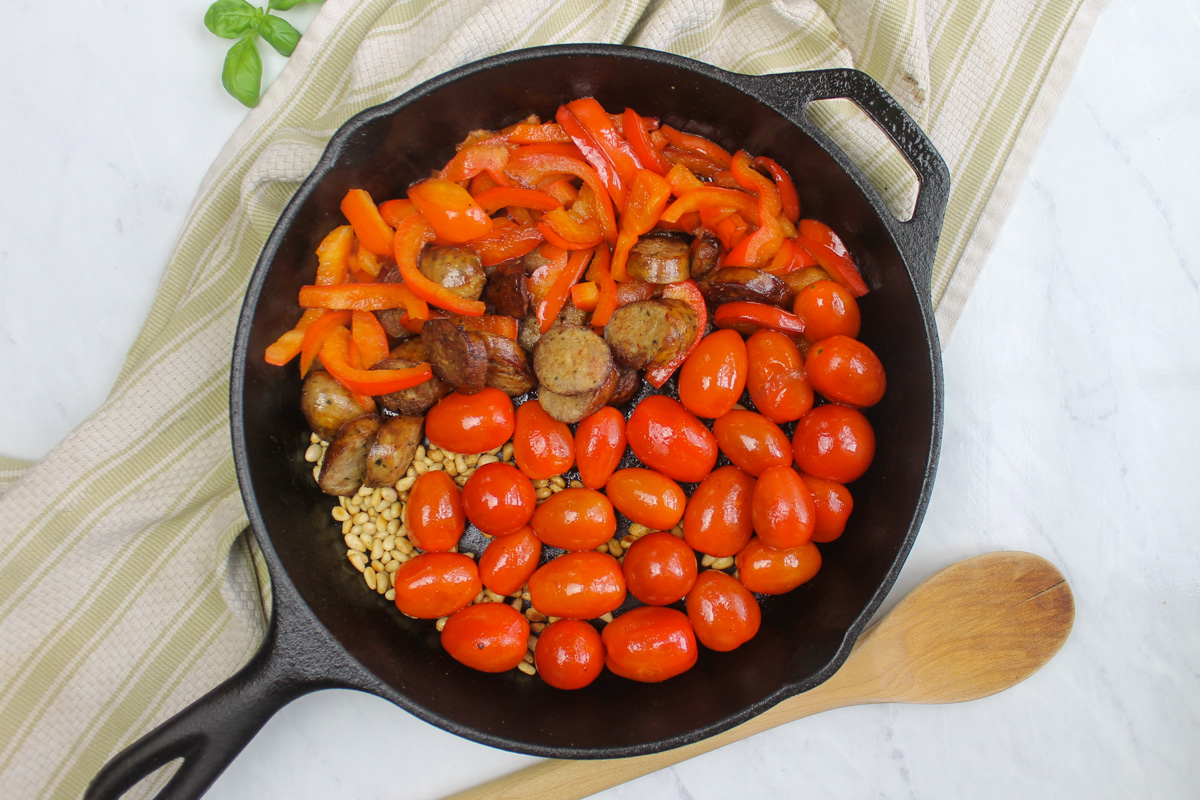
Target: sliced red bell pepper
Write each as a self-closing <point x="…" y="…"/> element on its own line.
<point x="783" y="183"/>
<point x="606" y="300"/>
<point x="361" y="297"/>
<point x="368" y="262"/>
<point x="638" y="136"/>
<point x="560" y="189"/>
<point x="698" y="144"/>
<point x="474" y="159"/>
<point x="567" y="149"/>
<point x="492" y="200"/>
<point x="608" y="130"/>
<point x="412" y="235"/>
<point x="450" y="210"/>
<point x="369" y="338"/>
<point x="730" y="229"/>
<point x="695" y="162"/>
<point x="648" y="196"/>
<point x="688" y="292"/>
<point x="532" y="169"/>
<point x="682" y="180"/>
<point x="395" y="210"/>
<point x="747" y="317"/>
<point x="827" y="248"/>
<point x="317" y="333"/>
<point x="614" y="184"/>
<point x="551" y="304"/>
<point x="586" y="294"/>
<point x="505" y="242"/>
<point x="287" y="346"/>
<point x="333" y="256"/>
<point x="526" y="133"/>
<point x="712" y="197"/>
<point x="761" y="246"/>
<point x="576" y="229"/>
<point x="335" y="355"/>
<point x="369" y="226"/>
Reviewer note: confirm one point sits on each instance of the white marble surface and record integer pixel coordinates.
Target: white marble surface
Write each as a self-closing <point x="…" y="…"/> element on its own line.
<point x="1072" y="400"/>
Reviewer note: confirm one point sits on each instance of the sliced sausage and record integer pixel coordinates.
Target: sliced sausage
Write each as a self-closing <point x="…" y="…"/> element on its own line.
<point x="390" y="318"/>
<point x="660" y="258"/>
<point x="798" y="279"/>
<point x="345" y="462"/>
<point x="392" y="452"/>
<point x="571" y="361"/>
<point x="508" y="367"/>
<point x="528" y="334"/>
<point x="410" y="350"/>
<point x="636" y="332"/>
<point x="457" y="356"/>
<point x="571" y="409"/>
<point x="327" y="405"/>
<point x="629" y="380"/>
<point x="681" y="331"/>
<point x="571" y="315"/>
<point x="706" y="254"/>
<point x="742" y="284"/>
<point x="418" y="399"/>
<point x="456" y="268"/>
<point x="507" y="292"/>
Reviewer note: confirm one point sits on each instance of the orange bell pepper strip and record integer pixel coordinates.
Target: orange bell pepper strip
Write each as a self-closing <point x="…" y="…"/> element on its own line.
<point x="369" y="338"/>
<point x="492" y="200"/>
<point x="760" y="247"/>
<point x="287" y="346"/>
<point x="333" y="256"/>
<point x="606" y="300"/>
<point x="712" y="197"/>
<point x="531" y="169"/>
<point x="586" y="294"/>
<point x="363" y="297"/>
<point x="831" y="254"/>
<point x="317" y="333"/>
<point x="693" y="161"/>
<point x="799" y="259"/>
<point x="335" y="355"/>
<point x="369" y="262"/>
<point x="639" y="140"/>
<point x="412" y="235"/>
<point x="730" y="229"/>
<point x="525" y="133"/>
<point x="688" y="292"/>
<point x="682" y="180"/>
<point x="372" y="231"/>
<point x="698" y="145"/>
<point x="577" y="229"/>
<point x="560" y="189"/>
<point x="647" y="198"/>
<point x="450" y="210"/>
<point x="395" y="210"/>
<point x="784" y="185"/>
<point x="505" y="242"/>
<point x="747" y="317"/>
<point x="474" y="159"/>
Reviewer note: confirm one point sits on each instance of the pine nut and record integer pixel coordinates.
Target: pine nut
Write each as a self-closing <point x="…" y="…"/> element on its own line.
<point x="389" y="494"/>
<point x="390" y="594"/>
<point x="707" y="560"/>
<point x="377" y="549"/>
<point x="441" y="623"/>
<point x="393" y="526"/>
<point x="420" y="454"/>
<point x="313" y="453"/>
<point x="471" y="460"/>
<point x="543" y="493"/>
<point x="347" y="526"/>
<point x="488" y="458"/>
<point x="340" y="514"/>
<point x="357" y="559"/>
<point x="723" y="563"/>
<point x="559" y="481"/>
<point x="419" y="467"/>
<point x="364" y="491"/>
<point x="355" y="543"/>
<point x="404" y="484"/>
<point x="436" y="456"/>
<point x="506" y="452"/>
<point x="392" y="565"/>
<point x="576" y="484"/>
<point x="316" y="473"/>
<point x="527" y="668"/>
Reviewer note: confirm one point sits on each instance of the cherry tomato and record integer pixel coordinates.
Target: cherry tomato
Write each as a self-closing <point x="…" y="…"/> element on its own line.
<point x="834" y="442"/>
<point x="578" y="586"/>
<point x="784" y="515"/>
<point x="489" y="637"/>
<point x="719" y="518"/>
<point x="827" y="308"/>
<point x="599" y="446"/>
<point x="833" y="503"/>
<point x="659" y="569"/>
<point x="509" y="560"/>
<point x="471" y="423"/>
<point x="647" y="497"/>
<point x="845" y="370"/>
<point x="667" y="437"/>
<point x="434" y="514"/>
<point x="433" y="585"/>
<point x="765" y="570"/>
<point x="776" y="380"/>
<point x="498" y="498"/>
<point x="569" y="654"/>
<point x="752" y="442"/>
<point x="724" y="614"/>
<point x="712" y="379"/>
<point x="575" y="519"/>
<point x="542" y="446"/>
<point x="650" y="644"/>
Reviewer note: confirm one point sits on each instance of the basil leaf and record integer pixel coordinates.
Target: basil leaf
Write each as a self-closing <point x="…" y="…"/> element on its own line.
<point x="242" y="73"/>
<point x="284" y="5"/>
<point x="279" y="33"/>
<point x="231" y="19"/>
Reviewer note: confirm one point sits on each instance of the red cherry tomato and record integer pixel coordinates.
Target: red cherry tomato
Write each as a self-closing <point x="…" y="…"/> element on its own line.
<point x="650" y="644"/>
<point x="575" y="519"/>
<point x="667" y="437"/>
<point x="834" y="442"/>
<point x="845" y="370"/>
<point x="784" y="515"/>
<point x="766" y="570"/>
<point x="659" y="569"/>
<point x="542" y="446"/>
<point x="578" y="586"/>
<point x="433" y="514"/>
<point x="719" y="518"/>
<point x="569" y="654"/>
<point x="776" y="379"/>
<point x="433" y="585"/>
<point x="647" y="497"/>
<point x="827" y="308"/>
<point x="712" y="379"/>
<point x="471" y="423"/>
<point x="752" y="442"/>
<point x="833" y="503"/>
<point x="599" y="446"/>
<point x="498" y="498"/>
<point x="724" y="614"/>
<point x="489" y="637"/>
<point x="509" y="560"/>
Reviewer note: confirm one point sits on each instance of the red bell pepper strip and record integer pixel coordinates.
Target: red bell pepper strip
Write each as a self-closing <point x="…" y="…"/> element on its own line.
<point x="562" y="190"/>
<point x="395" y="210"/>
<point x="317" y="333"/>
<point x="369" y="338"/>
<point x="372" y="231"/>
<point x="552" y="302"/>
<point x="648" y="196"/>
<point x="731" y="229"/>
<point x="368" y="262"/>
<point x="747" y="316"/>
<point x="693" y="161"/>
<point x="472" y="160"/>
<point x="827" y="248"/>
<point x="361" y="297"/>
<point x="335" y="355"/>
<point x="688" y="292"/>
<point x="567" y="149"/>
<point x="495" y="324"/>
<point x="582" y="238"/>
<point x="412" y="235"/>
<point x="492" y="200"/>
<point x="531" y="169"/>
<point x="683" y="180"/>
<point x="450" y="210"/>
<point x="505" y="242"/>
<point x="526" y="133"/>
<point x="577" y="229"/>
<point x="783" y="183"/>
<point x="722" y="199"/>
<point x="698" y="144"/>
<point x="606" y="300"/>
<point x="333" y="256"/>
<point x="608" y="131"/>
<point x="761" y="246"/>
<point x="586" y="294"/>
<point x="639" y="140"/>
<point x="614" y="184"/>
<point x="287" y="346"/>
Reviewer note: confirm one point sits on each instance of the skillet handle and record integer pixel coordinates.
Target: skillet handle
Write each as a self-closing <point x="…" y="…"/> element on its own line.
<point x="790" y="94"/>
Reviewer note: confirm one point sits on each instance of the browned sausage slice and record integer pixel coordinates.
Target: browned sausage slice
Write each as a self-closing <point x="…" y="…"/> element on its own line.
<point x="392" y="452"/>
<point x="418" y="399"/>
<point x="706" y="254"/>
<point x="507" y="292"/>
<point x="636" y="332"/>
<point x="744" y="284"/>
<point x="629" y="380"/>
<point x="575" y="407"/>
<point x="660" y="258"/>
<point x="508" y="367"/>
<point x="327" y="405"/>
<point x="390" y="318"/>
<point x="571" y="361"/>
<point x="345" y="462"/>
<point x="457" y="356"/>
<point x="681" y="331"/>
<point x="456" y="268"/>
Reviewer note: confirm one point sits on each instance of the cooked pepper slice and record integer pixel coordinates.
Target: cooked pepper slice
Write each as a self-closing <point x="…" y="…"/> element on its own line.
<point x="474" y="159"/>
<point x="333" y="256"/>
<point x="747" y="316"/>
<point x="532" y="169"/>
<point x="335" y="355"/>
<point x="608" y="131"/>
<point x="639" y="140"/>
<point x="496" y="198"/>
<point x="699" y="145"/>
<point x="827" y="248"/>
<point x="450" y="210"/>
<point x="505" y="242"/>
<point x="783" y="183"/>
<point x="369" y="338"/>
<point x="761" y="246"/>
<point x="712" y="197"/>
<point x="647" y="198"/>
<point x="369" y="226"/>
<point x="688" y="292"/>
<point x="412" y="235"/>
<point x="317" y="333"/>
<point x="363" y="297"/>
<point x="606" y="300"/>
<point x="395" y="210"/>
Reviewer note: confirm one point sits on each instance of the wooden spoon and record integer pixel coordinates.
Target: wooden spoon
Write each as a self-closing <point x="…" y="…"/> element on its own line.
<point x="972" y="630"/>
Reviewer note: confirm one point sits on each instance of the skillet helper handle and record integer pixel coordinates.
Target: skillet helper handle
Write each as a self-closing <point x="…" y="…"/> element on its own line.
<point x="790" y="94"/>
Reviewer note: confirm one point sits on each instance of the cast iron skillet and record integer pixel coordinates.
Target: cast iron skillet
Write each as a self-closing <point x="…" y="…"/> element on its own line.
<point x="327" y="631"/>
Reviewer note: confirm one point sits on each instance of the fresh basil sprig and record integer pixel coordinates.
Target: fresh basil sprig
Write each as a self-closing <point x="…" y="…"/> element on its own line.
<point x="237" y="19"/>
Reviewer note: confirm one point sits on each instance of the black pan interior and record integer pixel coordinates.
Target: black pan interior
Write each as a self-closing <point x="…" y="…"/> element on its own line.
<point x="805" y="634"/>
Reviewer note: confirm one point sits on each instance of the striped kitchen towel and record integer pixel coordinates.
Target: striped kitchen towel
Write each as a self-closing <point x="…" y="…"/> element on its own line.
<point x="126" y="586"/>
